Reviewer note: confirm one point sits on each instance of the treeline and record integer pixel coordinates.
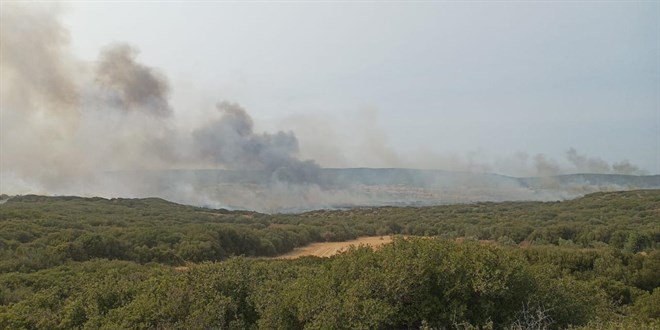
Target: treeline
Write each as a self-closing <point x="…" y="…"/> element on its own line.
<point x="410" y="284"/>
<point x="623" y="220"/>
<point x="39" y="232"/>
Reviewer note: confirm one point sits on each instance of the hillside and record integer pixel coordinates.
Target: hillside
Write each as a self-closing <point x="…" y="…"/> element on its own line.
<point x="39" y="231"/>
<point x="328" y="188"/>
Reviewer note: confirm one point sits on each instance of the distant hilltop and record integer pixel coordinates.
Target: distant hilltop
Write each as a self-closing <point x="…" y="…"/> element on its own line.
<point x="329" y="188"/>
<point x="398" y="176"/>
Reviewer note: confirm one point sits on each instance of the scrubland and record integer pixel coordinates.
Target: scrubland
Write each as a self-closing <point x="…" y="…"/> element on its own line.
<point x="70" y="262"/>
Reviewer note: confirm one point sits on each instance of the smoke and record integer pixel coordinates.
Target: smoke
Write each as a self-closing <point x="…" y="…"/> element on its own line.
<point x="625" y="167"/>
<point x="62" y="119"/>
<point x="107" y="128"/>
<point x="232" y="142"/>
<point x="574" y="162"/>
<point x="66" y="121"/>
<point x="588" y="164"/>
<point x="545" y="166"/>
<point x="34" y="58"/>
<point x="38" y="95"/>
<point x="129" y="85"/>
<point x="367" y="146"/>
<point x="583" y="163"/>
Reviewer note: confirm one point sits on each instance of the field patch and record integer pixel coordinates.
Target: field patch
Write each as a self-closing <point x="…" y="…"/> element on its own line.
<point x="328" y="249"/>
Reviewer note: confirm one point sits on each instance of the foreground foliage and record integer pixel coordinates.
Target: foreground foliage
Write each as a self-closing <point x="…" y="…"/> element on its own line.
<point x="410" y="284"/>
<point x="73" y="263"/>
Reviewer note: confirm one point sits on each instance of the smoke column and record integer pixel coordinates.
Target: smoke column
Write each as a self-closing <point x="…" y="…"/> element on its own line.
<point x="64" y="120"/>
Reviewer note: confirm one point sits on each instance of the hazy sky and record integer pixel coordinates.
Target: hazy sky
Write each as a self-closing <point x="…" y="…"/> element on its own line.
<point x="375" y="83"/>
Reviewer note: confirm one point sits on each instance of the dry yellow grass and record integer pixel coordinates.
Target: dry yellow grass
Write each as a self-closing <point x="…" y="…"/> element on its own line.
<point x="328" y="249"/>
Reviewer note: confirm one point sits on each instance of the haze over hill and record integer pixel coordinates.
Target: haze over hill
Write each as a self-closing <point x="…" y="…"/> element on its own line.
<point x="350" y="187"/>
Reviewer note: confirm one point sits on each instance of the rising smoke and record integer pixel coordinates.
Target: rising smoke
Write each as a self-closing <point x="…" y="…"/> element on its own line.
<point x="107" y="128"/>
<point x="64" y="120"/>
<point x="585" y="164"/>
<point x="232" y="142"/>
<point x="131" y="86"/>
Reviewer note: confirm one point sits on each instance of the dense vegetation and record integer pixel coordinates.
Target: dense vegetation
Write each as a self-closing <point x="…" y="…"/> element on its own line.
<point x="39" y="232"/>
<point x="69" y="262"/>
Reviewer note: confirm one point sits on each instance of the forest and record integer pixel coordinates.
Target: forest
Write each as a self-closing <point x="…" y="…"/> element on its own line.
<point x="94" y="263"/>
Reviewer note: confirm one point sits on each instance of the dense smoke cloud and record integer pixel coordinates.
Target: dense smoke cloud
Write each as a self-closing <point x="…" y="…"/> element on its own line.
<point x="64" y="121"/>
<point x="34" y="58"/>
<point x="38" y="97"/>
<point x="231" y="141"/>
<point x="131" y="85"/>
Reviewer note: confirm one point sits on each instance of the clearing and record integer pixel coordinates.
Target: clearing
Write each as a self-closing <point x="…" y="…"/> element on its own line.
<point x="328" y="249"/>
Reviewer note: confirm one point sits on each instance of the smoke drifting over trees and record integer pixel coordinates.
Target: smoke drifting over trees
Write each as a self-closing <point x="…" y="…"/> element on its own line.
<point x="66" y="123"/>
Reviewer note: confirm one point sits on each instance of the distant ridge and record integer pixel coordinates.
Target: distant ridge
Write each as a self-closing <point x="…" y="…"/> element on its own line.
<point x="330" y="188"/>
<point x="637" y="181"/>
<point x="404" y="176"/>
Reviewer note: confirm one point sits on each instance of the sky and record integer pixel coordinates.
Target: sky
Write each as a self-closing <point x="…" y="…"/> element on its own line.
<point x="447" y="85"/>
<point x="489" y="79"/>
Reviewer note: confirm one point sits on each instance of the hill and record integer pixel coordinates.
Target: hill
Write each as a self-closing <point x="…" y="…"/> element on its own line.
<point x="330" y="188"/>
